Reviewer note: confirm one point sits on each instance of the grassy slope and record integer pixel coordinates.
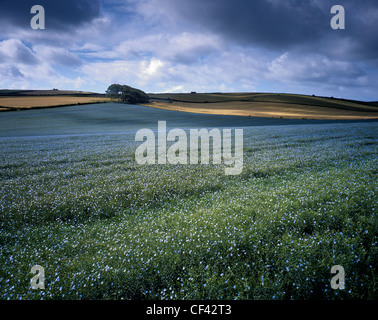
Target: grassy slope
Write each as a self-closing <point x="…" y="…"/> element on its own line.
<point x="267" y="105"/>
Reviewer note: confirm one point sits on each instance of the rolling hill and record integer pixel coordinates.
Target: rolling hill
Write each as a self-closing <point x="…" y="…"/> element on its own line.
<point x="275" y="105"/>
<point x="267" y="105"/>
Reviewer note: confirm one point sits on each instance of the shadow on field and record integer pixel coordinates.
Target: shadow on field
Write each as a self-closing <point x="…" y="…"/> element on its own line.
<point x="121" y="118"/>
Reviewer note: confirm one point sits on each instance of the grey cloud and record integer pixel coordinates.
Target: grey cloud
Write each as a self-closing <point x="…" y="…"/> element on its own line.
<point x="13" y="50"/>
<point x="316" y="71"/>
<point x="57" y="56"/>
<point x="12" y="72"/>
<point x="270" y="23"/>
<point x="185" y="48"/>
<point x="59" y="15"/>
<point x="282" y="25"/>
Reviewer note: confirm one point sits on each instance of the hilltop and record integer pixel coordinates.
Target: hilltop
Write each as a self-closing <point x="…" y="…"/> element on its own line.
<point x="275" y="105"/>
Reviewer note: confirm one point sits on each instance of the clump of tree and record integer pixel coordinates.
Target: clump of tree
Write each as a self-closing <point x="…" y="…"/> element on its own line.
<point x="127" y="94"/>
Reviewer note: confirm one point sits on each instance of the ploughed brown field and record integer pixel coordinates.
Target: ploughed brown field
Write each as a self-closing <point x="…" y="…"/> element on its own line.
<point x="267" y="105"/>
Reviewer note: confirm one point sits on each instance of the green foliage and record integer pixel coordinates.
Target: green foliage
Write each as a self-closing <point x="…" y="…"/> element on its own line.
<point x="114" y="91"/>
<point x="104" y="227"/>
<point x="127" y="94"/>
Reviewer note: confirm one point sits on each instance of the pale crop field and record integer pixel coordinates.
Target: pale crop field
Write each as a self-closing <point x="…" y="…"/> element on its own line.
<point x="104" y="227"/>
<point x="288" y="106"/>
<point x="7" y="103"/>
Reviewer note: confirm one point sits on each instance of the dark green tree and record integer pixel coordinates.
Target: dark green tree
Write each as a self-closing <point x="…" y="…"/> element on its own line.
<point x="127" y="94"/>
<point x="114" y="91"/>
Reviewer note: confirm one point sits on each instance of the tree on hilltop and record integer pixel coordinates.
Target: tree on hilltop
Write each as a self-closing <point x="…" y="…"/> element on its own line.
<point x="127" y="94"/>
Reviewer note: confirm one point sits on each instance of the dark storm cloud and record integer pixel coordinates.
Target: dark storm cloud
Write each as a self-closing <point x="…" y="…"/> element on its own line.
<point x="284" y="25"/>
<point x="271" y="24"/>
<point x="59" y="15"/>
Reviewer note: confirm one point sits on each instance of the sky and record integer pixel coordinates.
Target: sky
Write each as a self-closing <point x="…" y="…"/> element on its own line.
<point x="283" y="46"/>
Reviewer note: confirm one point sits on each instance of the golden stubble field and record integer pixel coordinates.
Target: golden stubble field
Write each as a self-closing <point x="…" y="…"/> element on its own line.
<point x="30" y="102"/>
<point x="266" y="105"/>
<point x="275" y="110"/>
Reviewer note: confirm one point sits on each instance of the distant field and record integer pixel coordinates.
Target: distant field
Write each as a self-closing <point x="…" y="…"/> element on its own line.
<point x="8" y="103"/>
<point x="267" y="105"/>
<point x="28" y="99"/>
<point x="23" y="93"/>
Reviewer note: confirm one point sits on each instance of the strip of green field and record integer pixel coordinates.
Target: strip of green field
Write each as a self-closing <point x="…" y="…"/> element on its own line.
<point x="104" y="227"/>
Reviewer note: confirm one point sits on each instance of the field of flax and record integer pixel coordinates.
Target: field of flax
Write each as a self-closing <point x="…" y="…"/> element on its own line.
<point x="103" y="227"/>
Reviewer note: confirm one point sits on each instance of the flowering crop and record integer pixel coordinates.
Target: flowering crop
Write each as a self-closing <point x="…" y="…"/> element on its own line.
<point x="104" y="227"/>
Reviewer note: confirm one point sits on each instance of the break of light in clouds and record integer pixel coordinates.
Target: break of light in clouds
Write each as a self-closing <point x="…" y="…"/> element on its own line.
<point x="192" y="45"/>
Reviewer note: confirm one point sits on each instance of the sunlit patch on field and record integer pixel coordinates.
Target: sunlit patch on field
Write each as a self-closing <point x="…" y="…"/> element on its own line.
<point x="9" y="103"/>
<point x="104" y="227"/>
